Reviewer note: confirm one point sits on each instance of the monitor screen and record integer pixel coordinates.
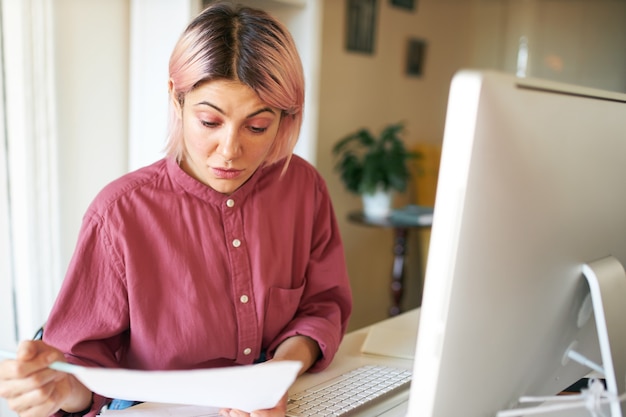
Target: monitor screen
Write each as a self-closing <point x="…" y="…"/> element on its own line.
<point x="532" y="187"/>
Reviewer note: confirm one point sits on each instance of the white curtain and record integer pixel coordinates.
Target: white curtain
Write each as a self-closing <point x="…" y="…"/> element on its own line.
<point x="7" y="313"/>
<point x="8" y="331"/>
<point x="30" y="237"/>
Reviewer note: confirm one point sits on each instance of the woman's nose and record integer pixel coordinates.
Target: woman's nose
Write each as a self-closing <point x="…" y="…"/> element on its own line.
<point x="229" y="146"/>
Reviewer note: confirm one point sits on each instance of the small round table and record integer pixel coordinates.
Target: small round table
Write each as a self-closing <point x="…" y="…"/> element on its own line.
<point x="400" y="231"/>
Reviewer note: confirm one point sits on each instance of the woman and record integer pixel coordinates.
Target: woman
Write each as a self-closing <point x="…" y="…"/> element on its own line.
<point x="225" y="252"/>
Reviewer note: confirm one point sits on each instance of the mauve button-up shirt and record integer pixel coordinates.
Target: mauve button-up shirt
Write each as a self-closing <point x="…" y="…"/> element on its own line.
<point x="170" y="274"/>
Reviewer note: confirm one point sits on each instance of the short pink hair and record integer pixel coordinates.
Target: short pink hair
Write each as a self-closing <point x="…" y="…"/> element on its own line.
<point x="246" y="45"/>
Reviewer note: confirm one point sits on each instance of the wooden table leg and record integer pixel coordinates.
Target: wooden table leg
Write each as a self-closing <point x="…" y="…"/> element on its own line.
<point x="397" y="277"/>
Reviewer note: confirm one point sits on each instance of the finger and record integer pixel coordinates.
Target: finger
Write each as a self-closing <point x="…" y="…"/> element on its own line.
<point x="279" y="410"/>
<point x="26" y="350"/>
<point x="44" y="400"/>
<point x="35" y="380"/>
<point x="40" y="410"/>
<point x="238" y="413"/>
<point x="29" y="399"/>
<point x="40" y="349"/>
<point x="33" y="356"/>
<point x="232" y="412"/>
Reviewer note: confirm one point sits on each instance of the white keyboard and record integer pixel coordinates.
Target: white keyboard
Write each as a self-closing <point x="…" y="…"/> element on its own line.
<point x="350" y="392"/>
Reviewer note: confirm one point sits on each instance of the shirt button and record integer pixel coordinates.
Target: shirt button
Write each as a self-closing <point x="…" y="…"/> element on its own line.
<point x="230" y="202"/>
<point x="236" y="243"/>
<point x="247" y="351"/>
<point x="243" y="299"/>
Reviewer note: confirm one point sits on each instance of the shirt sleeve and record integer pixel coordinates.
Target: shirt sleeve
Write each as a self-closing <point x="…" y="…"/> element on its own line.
<point x="96" y="406"/>
<point x="90" y="333"/>
<point x="326" y="303"/>
<point x="84" y="323"/>
<point x="90" y="316"/>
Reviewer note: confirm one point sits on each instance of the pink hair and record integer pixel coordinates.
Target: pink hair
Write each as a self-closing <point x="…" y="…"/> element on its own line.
<point x="246" y="45"/>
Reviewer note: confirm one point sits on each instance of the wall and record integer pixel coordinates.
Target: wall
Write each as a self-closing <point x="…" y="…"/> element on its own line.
<point x="574" y="41"/>
<point x="151" y="43"/>
<point x="589" y="46"/>
<point x="91" y="39"/>
<point x="371" y="91"/>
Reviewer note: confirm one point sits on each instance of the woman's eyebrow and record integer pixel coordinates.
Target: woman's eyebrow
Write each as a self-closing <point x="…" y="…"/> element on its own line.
<point x="262" y="110"/>
<point x="206" y="103"/>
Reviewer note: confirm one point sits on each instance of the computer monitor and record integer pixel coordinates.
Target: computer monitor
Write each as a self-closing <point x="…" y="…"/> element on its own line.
<point x="532" y="187"/>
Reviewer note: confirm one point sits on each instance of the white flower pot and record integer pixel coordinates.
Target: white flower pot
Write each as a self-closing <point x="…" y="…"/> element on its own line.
<point x="377" y="205"/>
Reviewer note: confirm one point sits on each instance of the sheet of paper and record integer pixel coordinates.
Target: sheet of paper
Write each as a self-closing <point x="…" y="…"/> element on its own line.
<point x="394" y="337"/>
<point x="164" y="410"/>
<point x="246" y="388"/>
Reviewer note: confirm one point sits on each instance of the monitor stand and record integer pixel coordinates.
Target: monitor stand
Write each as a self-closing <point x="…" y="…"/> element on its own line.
<point x="607" y="284"/>
<point x="607" y="300"/>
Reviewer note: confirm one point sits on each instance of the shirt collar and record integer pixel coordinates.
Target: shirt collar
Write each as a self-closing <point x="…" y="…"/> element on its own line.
<point x="208" y="194"/>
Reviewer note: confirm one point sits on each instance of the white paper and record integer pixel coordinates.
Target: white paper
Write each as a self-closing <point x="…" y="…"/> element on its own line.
<point x="394" y="338"/>
<point x="246" y="388"/>
<point x="164" y="410"/>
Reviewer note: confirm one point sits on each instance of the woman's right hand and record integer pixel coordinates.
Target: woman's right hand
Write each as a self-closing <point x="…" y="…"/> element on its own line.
<point x="34" y="390"/>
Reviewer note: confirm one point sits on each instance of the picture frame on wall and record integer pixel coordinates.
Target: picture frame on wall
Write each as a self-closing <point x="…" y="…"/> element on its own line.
<point x="361" y="25"/>
<point x="403" y="4"/>
<point x="415" y="55"/>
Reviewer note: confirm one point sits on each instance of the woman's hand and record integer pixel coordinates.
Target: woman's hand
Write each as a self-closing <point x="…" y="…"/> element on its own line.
<point x="33" y="390"/>
<point x="279" y="411"/>
<point x="297" y="348"/>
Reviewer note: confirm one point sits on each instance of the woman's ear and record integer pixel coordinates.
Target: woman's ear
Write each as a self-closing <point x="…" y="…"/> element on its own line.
<point x="174" y="98"/>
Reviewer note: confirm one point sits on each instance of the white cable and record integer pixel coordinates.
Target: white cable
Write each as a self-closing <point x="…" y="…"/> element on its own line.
<point x="592" y="399"/>
<point x="577" y="357"/>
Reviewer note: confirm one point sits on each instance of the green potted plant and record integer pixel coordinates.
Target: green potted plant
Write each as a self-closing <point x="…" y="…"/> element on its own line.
<point x="374" y="166"/>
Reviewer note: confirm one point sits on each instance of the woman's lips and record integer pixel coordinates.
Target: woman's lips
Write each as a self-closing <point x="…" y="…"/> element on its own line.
<point x="225" y="173"/>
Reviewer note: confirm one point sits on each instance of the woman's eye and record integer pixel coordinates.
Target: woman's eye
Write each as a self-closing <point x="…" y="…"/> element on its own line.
<point x="255" y="129"/>
<point x="208" y="124"/>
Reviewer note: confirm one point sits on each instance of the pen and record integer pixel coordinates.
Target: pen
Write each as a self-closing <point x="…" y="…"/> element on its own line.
<point x="57" y="366"/>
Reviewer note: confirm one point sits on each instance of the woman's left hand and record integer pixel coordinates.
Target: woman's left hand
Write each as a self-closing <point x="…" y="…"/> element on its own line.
<point x="279" y="411"/>
<point x="296" y="348"/>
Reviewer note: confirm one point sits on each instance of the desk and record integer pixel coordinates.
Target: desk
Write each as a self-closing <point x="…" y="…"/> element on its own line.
<point x="400" y="232"/>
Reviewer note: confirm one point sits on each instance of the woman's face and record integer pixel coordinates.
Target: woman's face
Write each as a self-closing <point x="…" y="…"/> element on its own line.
<point x="227" y="133"/>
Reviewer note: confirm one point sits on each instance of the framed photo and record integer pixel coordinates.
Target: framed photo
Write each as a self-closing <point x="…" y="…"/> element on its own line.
<point x="415" y="55"/>
<point x="404" y="4"/>
<point x="361" y="25"/>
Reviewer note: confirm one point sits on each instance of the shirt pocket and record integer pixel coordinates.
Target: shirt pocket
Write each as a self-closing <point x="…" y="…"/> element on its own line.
<point x="282" y="305"/>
